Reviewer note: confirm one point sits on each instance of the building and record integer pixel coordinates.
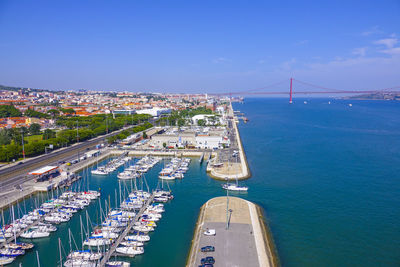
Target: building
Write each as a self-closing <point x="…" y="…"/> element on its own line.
<point x="155" y="112"/>
<point x="124" y="111"/>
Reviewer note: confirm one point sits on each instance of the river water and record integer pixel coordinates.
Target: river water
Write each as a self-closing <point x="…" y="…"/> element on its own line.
<point x="327" y="175"/>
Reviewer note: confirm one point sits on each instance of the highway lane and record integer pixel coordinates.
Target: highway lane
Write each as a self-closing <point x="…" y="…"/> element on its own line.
<point x="16" y="171"/>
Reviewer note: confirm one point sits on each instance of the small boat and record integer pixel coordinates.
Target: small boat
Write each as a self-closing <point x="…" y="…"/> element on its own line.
<point x="100" y="171"/>
<point x="96" y="242"/>
<point x="131" y="251"/>
<point x="234" y="187"/>
<point x="6" y="260"/>
<point x="24" y="246"/>
<point x="143" y="228"/>
<point x="132" y="243"/>
<point x="31" y="234"/>
<point x="79" y="263"/>
<point x="8" y="252"/>
<point x="140" y="238"/>
<point x="117" y="264"/>
<point x="85" y="255"/>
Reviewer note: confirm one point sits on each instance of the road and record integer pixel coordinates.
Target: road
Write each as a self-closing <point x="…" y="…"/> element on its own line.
<point x="16" y="174"/>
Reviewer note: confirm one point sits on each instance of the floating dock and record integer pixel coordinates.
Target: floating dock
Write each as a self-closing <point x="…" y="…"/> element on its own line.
<point x="241" y="236"/>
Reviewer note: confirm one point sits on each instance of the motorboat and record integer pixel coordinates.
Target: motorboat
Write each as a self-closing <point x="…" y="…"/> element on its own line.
<point x="79" y="263"/>
<point x="57" y="218"/>
<point x="117" y="264"/>
<point x="140" y="238"/>
<point x="98" y="233"/>
<point x="8" y="252"/>
<point x="131" y="251"/>
<point x="132" y="243"/>
<point x="85" y="255"/>
<point x="6" y="260"/>
<point x="96" y="242"/>
<point x="234" y="187"/>
<point x="143" y="228"/>
<point x="23" y="246"/>
<point x="31" y="234"/>
<point x="46" y="227"/>
<point x="100" y="171"/>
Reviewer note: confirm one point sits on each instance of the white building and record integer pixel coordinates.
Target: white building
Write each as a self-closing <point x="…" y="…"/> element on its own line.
<point x="207" y="119"/>
<point x="155" y="112"/>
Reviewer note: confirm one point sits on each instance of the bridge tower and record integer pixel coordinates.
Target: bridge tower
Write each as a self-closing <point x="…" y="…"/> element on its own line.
<point x="290" y="98"/>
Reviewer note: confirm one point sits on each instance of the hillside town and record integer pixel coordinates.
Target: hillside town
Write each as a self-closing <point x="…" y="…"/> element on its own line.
<point x="33" y="121"/>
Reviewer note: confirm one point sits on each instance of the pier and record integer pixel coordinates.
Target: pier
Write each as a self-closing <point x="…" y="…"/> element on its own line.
<point x="112" y="249"/>
<point x="241" y="237"/>
<point x="222" y="169"/>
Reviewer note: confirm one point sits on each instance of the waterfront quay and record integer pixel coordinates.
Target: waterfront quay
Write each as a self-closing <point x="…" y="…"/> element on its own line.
<point x="230" y="163"/>
<point x="241" y="237"/>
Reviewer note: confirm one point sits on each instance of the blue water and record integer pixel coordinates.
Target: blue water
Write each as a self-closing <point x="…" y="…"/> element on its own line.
<point x="328" y="177"/>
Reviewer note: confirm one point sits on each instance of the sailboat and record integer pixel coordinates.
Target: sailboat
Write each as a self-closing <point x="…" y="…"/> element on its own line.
<point x="234" y="186"/>
<point x="6" y="260"/>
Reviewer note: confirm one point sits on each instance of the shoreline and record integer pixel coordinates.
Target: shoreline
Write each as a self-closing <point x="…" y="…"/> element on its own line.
<point x="245" y="172"/>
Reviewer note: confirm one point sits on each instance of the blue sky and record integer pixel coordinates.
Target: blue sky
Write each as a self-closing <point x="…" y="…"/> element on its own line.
<point x="199" y="46"/>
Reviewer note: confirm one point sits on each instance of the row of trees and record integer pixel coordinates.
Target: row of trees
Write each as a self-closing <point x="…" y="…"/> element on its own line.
<point x="184" y="117"/>
<point x="7" y="136"/>
<point x="93" y="127"/>
<point x="124" y="134"/>
<point x="9" y="111"/>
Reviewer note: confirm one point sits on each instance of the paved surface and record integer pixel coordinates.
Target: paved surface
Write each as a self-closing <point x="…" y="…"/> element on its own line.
<point x="242" y="244"/>
<point x="233" y="247"/>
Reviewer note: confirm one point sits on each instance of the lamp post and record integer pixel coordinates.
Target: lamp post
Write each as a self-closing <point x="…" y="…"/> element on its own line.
<point x="23" y="147"/>
<point x="77" y="137"/>
<point x="227" y="205"/>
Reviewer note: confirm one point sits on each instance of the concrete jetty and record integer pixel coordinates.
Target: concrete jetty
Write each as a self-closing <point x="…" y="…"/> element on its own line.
<point x="231" y="170"/>
<point x="241" y="238"/>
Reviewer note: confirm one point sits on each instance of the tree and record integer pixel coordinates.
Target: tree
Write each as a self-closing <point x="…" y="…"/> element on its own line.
<point x="35" y="114"/>
<point x="5" y="137"/>
<point x="144" y="135"/>
<point x="48" y="134"/>
<point x="181" y="122"/>
<point x="15" y="135"/>
<point x="9" y="111"/>
<point x="34" y="129"/>
<point x="201" y="122"/>
<point x="53" y="112"/>
<point x="164" y="145"/>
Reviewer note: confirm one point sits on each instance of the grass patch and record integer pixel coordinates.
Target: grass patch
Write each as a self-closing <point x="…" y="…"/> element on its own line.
<point x="32" y="138"/>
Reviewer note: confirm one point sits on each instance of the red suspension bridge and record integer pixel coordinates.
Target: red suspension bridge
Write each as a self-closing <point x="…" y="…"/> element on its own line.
<point x="310" y="89"/>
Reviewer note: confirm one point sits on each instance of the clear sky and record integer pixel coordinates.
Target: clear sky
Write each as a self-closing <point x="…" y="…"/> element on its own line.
<point x="198" y="46"/>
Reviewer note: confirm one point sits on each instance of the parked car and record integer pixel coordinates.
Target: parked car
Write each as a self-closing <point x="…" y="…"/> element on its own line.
<point x="208" y="260"/>
<point x="209" y="232"/>
<point x="208" y="249"/>
<point x="206" y="265"/>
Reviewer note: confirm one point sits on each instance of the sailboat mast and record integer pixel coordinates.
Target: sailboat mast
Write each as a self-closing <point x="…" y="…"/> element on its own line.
<point x="59" y="248"/>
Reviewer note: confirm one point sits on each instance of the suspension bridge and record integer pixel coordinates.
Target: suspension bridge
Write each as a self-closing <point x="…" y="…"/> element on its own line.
<point x="310" y="88"/>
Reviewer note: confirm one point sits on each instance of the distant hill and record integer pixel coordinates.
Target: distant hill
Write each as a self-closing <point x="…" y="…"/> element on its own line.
<point x="13" y="88"/>
<point x="376" y="96"/>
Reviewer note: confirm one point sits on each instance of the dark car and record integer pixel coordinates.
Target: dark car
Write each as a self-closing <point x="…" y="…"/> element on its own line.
<point x="207" y="260"/>
<point x="208" y="249"/>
